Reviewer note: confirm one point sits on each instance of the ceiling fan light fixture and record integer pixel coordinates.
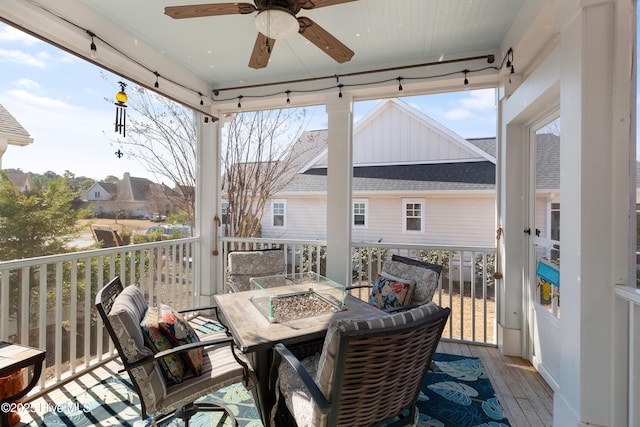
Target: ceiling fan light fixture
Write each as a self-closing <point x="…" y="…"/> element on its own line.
<point x="277" y="23"/>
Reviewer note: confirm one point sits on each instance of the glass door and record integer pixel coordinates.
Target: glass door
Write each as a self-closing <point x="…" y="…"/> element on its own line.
<point x="544" y="246"/>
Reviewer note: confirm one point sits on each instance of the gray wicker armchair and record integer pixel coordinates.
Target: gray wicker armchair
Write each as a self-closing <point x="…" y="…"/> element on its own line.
<point x="122" y="311"/>
<point x="419" y="276"/>
<point x="370" y="372"/>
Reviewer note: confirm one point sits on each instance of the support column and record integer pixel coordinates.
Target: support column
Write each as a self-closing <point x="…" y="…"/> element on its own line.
<point x="594" y="102"/>
<point x="339" y="174"/>
<point x="207" y="190"/>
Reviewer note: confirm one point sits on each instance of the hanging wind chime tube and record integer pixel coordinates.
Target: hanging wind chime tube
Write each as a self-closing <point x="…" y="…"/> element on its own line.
<point x="121" y="112"/>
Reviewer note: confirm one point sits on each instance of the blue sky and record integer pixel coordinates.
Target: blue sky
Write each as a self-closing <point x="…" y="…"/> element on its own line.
<point x="61" y="101"/>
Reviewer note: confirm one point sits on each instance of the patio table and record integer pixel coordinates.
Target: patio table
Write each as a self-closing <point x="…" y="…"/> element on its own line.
<point x="256" y="336"/>
<point x="12" y="358"/>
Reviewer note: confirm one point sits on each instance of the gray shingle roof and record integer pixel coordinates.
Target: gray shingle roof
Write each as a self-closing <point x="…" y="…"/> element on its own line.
<point x="11" y="129"/>
<point x="429" y="177"/>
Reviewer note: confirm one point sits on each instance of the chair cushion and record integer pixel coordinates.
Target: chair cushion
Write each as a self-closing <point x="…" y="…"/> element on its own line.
<point x="426" y="278"/>
<point x="172" y="366"/>
<point x="243" y="265"/>
<point x="389" y="291"/>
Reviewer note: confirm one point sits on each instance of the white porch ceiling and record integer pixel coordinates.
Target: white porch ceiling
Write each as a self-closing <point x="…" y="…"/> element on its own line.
<point x="202" y="54"/>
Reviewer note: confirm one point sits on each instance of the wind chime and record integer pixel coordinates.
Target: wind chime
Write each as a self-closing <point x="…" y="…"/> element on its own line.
<point x="121" y="112"/>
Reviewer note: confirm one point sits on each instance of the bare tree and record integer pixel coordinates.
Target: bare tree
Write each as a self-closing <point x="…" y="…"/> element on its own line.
<point x="261" y="154"/>
<point x="161" y="134"/>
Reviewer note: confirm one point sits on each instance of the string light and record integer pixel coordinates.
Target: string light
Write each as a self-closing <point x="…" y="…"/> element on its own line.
<point x="239" y="103"/>
<point x="92" y="46"/>
<point x="340" y="86"/>
<point x="156" y="84"/>
<point x="288" y="100"/>
<point x="201" y="101"/>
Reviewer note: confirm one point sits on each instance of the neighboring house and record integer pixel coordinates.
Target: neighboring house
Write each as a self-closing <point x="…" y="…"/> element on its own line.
<point x="22" y="181"/>
<point x="11" y="132"/>
<point x="429" y="186"/>
<point x="130" y="197"/>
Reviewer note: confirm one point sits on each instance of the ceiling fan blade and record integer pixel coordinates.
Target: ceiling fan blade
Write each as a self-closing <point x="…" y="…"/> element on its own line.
<point x="199" y="10"/>
<point x="325" y="41"/>
<point x="261" y="51"/>
<point x="314" y="4"/>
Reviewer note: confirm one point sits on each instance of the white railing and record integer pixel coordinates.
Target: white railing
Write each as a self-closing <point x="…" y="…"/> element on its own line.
<point x="48" y="302"/>
<point x="626" y="396"/>
<point x="466" y="284"/>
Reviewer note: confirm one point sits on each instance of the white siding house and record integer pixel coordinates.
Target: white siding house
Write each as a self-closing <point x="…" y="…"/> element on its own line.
<point x="414" y="181"/>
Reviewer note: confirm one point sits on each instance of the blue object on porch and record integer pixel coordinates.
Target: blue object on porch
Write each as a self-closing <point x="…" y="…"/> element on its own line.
<point x="548" y="272"/>
<point x="458" y="393"/>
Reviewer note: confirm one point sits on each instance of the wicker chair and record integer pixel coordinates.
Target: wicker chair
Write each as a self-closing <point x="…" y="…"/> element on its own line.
<point x="122" y="310"/>
<point x="423" y="275"/>
<point x="369" y="372"/>
<point x="243" y="265"/>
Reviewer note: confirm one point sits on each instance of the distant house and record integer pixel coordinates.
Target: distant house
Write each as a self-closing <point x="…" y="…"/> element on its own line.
<point x="22" y="181"/>
<point x="130" y="197"/>
<point x="428" y="186"/>
<point x="11" y="132"/>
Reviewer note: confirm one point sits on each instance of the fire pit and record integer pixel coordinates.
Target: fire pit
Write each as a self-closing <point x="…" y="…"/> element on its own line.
<point x="283" y="298"/>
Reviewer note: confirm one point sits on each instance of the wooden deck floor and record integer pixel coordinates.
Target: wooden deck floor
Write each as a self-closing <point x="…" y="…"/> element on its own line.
<point x="525" y="397"/>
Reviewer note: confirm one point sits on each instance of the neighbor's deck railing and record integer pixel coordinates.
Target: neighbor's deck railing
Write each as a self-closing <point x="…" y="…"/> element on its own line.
<point x="466" y="284"/>
<point x="48" y="302"/>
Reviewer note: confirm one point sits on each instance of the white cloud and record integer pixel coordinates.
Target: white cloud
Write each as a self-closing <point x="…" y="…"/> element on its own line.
<point x="37" y="101"/>
<point x="10" y="34"/>
<point x="20" y="57"/>
<point x="480" y="100"/>
<point x="458" y="114"/>
<point x="27" y="84"/>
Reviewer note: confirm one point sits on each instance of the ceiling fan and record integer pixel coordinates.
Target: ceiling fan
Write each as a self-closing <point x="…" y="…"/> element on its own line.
<point x="276" y="19"/>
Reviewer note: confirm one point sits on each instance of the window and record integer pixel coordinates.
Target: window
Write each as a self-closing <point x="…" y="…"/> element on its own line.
<point x="224" y="206"/>
<point x="96" y="195"/>
<point x="360" y="213"/>
<point x="278" y="209"/>
<point x="413" y="216"/>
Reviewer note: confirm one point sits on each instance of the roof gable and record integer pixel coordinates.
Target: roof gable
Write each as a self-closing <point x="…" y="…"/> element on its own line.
<point x="395" y="133"/>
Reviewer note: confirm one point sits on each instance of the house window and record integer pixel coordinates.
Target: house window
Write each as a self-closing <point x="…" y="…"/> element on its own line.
<point x="224" y="208"/>
<point x="96" y="195"/>
<point x="278" y="209"/>
<point x="413" y="215"/>
<point x="360" y="213"/>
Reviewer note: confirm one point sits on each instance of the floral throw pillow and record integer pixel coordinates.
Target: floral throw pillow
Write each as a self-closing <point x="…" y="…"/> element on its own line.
<point x="389" y="291"/>
<point x="172" y="366"/>
<point x="179" y="332"/>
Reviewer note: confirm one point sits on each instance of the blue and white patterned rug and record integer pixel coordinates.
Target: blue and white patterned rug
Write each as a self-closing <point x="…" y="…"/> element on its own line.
<point x="458" y="394"/>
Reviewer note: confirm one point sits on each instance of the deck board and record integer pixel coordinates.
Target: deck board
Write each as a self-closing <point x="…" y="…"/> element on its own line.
<point x="524" y="395"/>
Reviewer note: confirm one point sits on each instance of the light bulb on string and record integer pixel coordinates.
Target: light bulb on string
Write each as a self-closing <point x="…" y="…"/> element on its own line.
<point x="400" y="88"/>
<point x="466" y="81"/>
<point x="240" y="104"/>
<point x="288" y="99"/>
<point x="92" y="46"/>
<point x="340" y="88"/>
<point x="157" y="84"/>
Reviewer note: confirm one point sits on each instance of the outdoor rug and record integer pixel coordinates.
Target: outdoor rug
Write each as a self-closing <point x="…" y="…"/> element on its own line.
<point x="458" y="393"/>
